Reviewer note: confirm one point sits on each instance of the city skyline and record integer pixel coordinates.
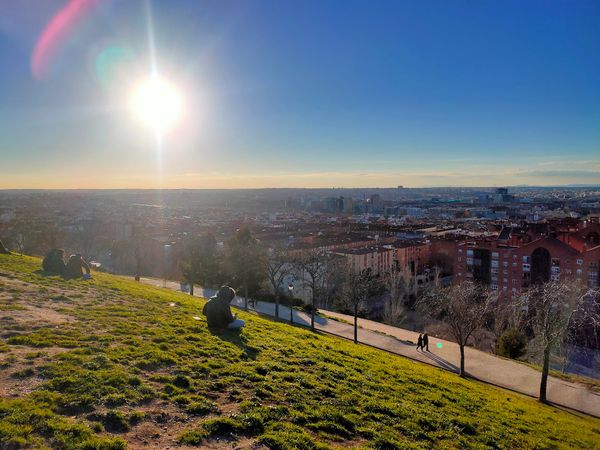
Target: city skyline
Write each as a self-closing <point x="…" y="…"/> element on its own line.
<point x="311" y="95"/>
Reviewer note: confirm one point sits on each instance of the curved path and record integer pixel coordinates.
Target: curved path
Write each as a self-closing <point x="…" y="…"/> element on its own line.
<point x="445" y="354"/>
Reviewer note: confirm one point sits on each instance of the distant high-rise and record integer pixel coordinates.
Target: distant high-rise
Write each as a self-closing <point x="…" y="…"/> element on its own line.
<point x="376" y="203"/>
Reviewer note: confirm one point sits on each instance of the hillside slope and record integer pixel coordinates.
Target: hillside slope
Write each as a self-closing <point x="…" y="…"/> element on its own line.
<point x="110" y="363"/>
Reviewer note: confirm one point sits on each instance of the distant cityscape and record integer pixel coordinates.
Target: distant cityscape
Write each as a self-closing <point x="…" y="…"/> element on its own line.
<point x="499" y="236"/>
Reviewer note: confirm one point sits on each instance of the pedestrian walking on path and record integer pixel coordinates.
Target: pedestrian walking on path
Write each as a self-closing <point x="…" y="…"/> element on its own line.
<point x="420" y="342"/>
<point x="425" y="341"/>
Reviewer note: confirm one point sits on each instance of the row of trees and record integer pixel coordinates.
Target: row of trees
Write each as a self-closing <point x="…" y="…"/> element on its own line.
<point x="34" y="236"/>
<point x="544" y="318"/>
<point x="547" y="313"/>
<point x="247" y="266"/>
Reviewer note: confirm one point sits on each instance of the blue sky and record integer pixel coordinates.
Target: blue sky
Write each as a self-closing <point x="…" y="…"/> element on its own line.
<point x="314" y="93"/>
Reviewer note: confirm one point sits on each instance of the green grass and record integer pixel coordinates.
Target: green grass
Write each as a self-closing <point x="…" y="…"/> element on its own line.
<point x="125" y="349"/>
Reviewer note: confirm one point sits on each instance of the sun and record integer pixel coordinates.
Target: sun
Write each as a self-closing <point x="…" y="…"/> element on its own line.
<point x="156" y="103"/>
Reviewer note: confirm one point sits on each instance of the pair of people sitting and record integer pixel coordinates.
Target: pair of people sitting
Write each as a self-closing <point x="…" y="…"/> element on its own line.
<point x="218" y="311"/>
<point x="76" y="267"/>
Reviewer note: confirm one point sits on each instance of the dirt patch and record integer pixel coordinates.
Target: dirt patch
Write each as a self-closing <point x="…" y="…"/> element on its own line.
<point x="24" y="304"/>
<point x="39" y="316"/>
<point x="162" y="425"/>
<point x="19" y="377"/>
<point x="165" y="422"/>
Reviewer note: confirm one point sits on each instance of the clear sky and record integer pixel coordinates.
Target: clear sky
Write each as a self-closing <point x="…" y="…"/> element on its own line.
<point x="304" y="93"/>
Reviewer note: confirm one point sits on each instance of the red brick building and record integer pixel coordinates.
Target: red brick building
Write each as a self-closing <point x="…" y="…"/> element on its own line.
<point x="412" y="255"/>
<point x="379" y="259"/>
<point x="510" y="263"/>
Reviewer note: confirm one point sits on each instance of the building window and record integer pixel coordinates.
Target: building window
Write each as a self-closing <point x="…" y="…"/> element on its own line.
<point x="526" y="267"/>
<point x="494" y="255"/>
<point x="505" y="263"/>
<point x="525" y="259"/>
<point x="593" y="279"/>
<point x="470" y="252"/>
<point x="579" y="262"/>
<point x="579" y="272"/>
<point x="494" y="287"/>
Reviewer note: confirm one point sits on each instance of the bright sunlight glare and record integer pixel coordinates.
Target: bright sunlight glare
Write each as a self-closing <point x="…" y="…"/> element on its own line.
<point x="157" y="103"/>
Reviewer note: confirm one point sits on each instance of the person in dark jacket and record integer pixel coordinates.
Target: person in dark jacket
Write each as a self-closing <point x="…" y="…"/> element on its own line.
<point x="54" y="261"/>
<point x="420" y="342"/>
<point x="75" y="267"/>
<point x="426" y="341"/>
<point x="218" y="312"/>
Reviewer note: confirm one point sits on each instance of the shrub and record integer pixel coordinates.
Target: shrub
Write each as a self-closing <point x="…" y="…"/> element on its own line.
<point x="116" y="421"/>
<point x="221" y="426"/>
<point x="201" y="407"/>
<point x="512" y="343"/>
<point x="192" y="437"/>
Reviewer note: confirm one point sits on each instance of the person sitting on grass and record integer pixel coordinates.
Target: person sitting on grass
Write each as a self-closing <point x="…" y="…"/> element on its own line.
<point x="76" y="266"/>
<point x="218" y="312"/>
<point x="54" y="261"/>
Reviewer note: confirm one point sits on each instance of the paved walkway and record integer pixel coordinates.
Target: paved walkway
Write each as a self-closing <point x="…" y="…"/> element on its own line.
<point x="445" y="354"/>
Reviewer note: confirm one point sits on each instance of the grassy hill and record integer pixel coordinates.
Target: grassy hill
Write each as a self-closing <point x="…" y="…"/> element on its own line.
<point x="110" y="363"/>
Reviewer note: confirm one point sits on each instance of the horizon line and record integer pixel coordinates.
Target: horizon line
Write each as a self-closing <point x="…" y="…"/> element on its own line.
<point x="575" y="185"/>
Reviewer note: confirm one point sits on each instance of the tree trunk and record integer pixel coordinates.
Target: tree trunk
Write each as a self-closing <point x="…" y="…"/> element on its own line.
<point x="544" y="382"/>
<point x="277" y="306"/>
<point x="246" y="296"/>
<point x="356" y="324"/>
<point x="462" y="360"/>
<point x="312" y="313"/>
<point x="192" y="289"/>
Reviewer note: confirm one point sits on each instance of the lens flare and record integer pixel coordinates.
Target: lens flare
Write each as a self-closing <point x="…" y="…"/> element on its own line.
<point x="157" y="103"/>
<point x="57" y="32"/>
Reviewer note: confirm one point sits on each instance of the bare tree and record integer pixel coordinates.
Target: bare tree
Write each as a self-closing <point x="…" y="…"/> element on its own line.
<point x="22" y="234"/>
<point x="505" y="316"/>
<point x="358" y="287"/>
<point x="277" y="268"/>
<point x="401" y="286"/>
<point x="335" y="278"/>
<point x="312" y="266"/>
<point x="464" y="308"/>
<point x="245" y="260"/>
<point x="199" y="260"/>
<point x="552" y="309"/>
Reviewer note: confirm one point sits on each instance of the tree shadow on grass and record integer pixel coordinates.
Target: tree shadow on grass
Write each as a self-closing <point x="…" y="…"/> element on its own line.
<point x="236" y="338"/>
